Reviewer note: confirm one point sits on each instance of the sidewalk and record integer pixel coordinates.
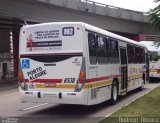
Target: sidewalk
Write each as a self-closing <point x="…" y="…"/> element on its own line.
<point x="8" y="84"/>
<point x="9" y="80"/>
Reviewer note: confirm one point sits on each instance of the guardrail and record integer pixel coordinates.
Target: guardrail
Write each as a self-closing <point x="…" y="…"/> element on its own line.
<point x="109" y="10"/>
<point x="98" y="8"/>
<point x="110" y="6"/>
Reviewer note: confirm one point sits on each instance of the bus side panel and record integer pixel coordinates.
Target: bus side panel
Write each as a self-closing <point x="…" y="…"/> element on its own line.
<point x="135" y="76"/>
<point x="104" y="86"/>
<point x="91" y="74"/>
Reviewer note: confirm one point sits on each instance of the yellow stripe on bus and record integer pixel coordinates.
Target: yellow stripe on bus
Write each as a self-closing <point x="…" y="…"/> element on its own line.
<point x="135" y="76"/>
<point x="87" y="85"/>
<point x="57" y="86"/>
<point x="105" y="83"/>
<point x="153" y="71"/>
<point x="97" y="84"/>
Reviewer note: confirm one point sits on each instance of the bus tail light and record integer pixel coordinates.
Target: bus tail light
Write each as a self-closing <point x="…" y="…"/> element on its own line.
<point x="20" y="76"/>
<point x="21" y="79"/>
<point x="81" y="80"/>
<point x="82" y="77"/>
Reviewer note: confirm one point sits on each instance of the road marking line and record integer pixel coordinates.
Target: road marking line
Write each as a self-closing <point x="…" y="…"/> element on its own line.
<point x="34" y="106"/>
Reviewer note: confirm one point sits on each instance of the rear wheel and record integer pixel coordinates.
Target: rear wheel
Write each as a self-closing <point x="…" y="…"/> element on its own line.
<point x="144" y="78"/>
<point x="114" y="93"/>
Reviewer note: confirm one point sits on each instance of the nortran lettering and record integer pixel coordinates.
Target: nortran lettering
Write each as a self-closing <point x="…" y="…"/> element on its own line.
<point x="36" y="73"/>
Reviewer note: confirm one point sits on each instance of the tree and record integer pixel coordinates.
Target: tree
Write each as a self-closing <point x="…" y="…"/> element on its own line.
<point x="154" y="18"/>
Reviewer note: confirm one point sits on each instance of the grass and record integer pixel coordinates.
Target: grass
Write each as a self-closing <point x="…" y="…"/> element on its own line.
<point x="144" y="107"/>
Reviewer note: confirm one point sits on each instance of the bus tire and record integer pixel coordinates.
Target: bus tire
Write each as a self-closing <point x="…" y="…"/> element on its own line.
<point x="114" y="93"/>
<point x="144" y="78"/>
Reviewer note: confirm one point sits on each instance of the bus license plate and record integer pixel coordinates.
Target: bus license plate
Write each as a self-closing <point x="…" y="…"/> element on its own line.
<point x="50" y="84"/>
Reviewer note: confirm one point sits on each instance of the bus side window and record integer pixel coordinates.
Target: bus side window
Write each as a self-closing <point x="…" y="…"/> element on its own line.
<point x="144" y="55"/>
<point x="116" y="52"/>
<point x="137" y="55"/>
<point x="92" y="48"/>
<point x="150" y="57"/>
<point x="130" y="51"/>
<point x="101" y="50"/>
<point x="140" y="55"/>
<point x="113" y="51"/>
<point x="137" y="50"/>
<point x="107" y="47"/>
<point x="134" y="54"/>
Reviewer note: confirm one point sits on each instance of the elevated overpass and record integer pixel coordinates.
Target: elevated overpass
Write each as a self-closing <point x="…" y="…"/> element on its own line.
<point x="122" y="21"/>
<point x="14" y="13"/>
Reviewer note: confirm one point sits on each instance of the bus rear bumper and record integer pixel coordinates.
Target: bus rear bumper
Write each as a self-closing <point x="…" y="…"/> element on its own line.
<point x="79" y="98"/>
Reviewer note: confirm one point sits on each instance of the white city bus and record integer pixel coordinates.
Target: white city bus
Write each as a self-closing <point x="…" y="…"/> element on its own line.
<point x="154" y="65"/>
<point x="76" y="63"/>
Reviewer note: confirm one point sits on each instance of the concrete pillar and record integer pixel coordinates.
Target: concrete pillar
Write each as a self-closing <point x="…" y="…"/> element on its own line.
<point x="4" y="42"/>
<point x="15" y="51"/>
<point x="139" y="37"/>
<point x="4" y="54"/>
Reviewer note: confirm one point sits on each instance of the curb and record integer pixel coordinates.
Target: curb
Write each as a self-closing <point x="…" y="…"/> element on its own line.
<point x="128" y="103"/>
<point x="10" y="81"/>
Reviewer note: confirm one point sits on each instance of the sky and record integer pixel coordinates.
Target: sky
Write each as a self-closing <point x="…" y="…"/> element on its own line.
<point x="137" y="5"/>
<point x="150" y="45"/>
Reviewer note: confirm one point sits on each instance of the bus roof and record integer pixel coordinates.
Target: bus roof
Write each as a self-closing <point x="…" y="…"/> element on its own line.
<point x="90" y="28"/>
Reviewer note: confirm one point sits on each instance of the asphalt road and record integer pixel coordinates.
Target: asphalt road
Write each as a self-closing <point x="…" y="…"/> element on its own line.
<point x="10" y="106"/>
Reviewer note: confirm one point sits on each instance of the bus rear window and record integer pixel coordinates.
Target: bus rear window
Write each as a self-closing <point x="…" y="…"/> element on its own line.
<point x="51" y="58"/>
<point x="154" y="56"/>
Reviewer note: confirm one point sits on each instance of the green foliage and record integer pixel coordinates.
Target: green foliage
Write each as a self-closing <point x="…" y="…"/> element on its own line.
<point x="157" y="43"/>
<point x="156" y="1"/>
<point x="154" y="18"/>
<point x="145" y="107"/>
<point x="156" y="58"/>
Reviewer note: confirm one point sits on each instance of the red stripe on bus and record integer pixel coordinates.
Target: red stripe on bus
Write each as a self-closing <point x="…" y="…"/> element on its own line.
<point x="156" y="69"/>
<point x="91" y="80"/>
<point x="102" y="78"/>
<point x="45" y="80"/>
<point x="51" y="54"/>
<point x="97" y="79"/>
<point x="88" y="80"/>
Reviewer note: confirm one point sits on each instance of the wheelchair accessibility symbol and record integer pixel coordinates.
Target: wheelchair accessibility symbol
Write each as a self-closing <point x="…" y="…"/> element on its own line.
<point x="26" y="63"/>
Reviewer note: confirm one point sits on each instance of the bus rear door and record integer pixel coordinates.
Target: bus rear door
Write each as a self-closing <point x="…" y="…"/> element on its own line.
<point x="124" y="72"/>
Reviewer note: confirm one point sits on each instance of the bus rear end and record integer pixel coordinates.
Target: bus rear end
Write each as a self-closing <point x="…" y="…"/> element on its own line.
<point x="154" y="60"/>
<point x="154" y="65"/>
<point x="51" y="64"/>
